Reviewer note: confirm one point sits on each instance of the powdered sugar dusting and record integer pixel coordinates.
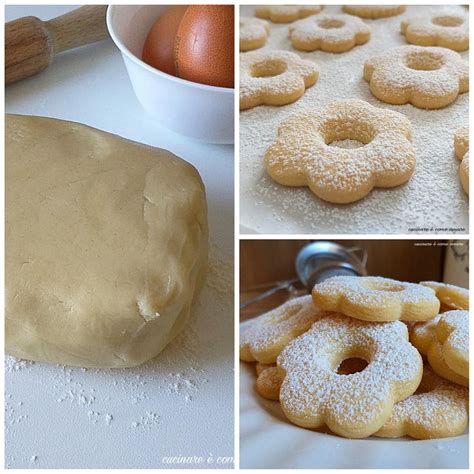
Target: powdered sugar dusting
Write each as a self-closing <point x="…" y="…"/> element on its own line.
<point x="409" y="71"/>
<point x="312" y="387"/>
<point x="265" y="74"/>
<point x="446" y="27"/>
<point x="378" y="291"/>
<point x="441" y="407"/>
<point x="457" y="324"/>
<point x="433" y="199"/>
<point x="343" y="175"/>
<point x="268" y="333"/>
<point x="327" y="32"/>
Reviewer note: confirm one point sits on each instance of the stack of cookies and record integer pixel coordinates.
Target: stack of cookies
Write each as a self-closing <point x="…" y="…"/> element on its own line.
<point x="367" y="356"/>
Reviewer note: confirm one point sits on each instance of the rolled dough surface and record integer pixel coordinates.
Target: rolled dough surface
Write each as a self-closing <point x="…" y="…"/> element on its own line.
<point x="105" y="244"/>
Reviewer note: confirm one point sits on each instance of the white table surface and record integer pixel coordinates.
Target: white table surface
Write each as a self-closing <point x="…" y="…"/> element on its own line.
<point x="180" y="404"/>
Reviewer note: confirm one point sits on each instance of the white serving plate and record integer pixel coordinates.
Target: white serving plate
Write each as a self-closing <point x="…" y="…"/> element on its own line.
<point x="268" y="440"/>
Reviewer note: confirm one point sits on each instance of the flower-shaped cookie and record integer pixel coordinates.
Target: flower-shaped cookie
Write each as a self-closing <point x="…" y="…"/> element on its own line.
<point x="428" y="78"/>
<point x="376" y="298"/>
<point x="274" y="78"/>
<point x="461" y="147"/>
<point x="313" y="394"/>
<point x="262" y="338"/>
<point x="286" y="13"/>
<point x="452" y="332"/>
<point x="439" y="409"/>
<point x="253" y="33"/>
<point x="302" y="154"/>
<point x="446" y="29"/>
<point x="374" y="11"/>
<point x="331" y="33"/>
<point x="451" y="296"/>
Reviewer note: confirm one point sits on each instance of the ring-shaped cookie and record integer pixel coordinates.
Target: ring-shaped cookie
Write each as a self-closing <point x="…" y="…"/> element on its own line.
<point x="376" y="298"/>
<point x="461" y="148"/>
<point x="452" y="332"/>
<point x="426" y="77"/>
<point x="286" y="13"/>
<point x="313" y="394"/>
<point x="262" y="338"/>
<point x="253" y="33"/>
<point x="447" y="29"/>
<point x="301" y="155"/>
<point x="438" y="409"/>
<point x="274" y="78"/>
<point x="330" y="33"/>
<point x="451" y="296"/>
<point x="374" y="11"/>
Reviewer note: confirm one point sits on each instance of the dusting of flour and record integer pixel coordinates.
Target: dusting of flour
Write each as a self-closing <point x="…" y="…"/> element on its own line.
<point x="432" y="201"/>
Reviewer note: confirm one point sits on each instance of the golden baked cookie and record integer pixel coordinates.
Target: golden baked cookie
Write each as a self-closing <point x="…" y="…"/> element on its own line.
<point x="302" y="154"/>
<point x="453" y="297"/>
<point x="331" y="33"/>
<point x="439" y="365"/>
<point x="274" y="78"/>
<point x="268" y="381"/>
<point x="438" y="409"/>
<point x="262" y="338"/>
<point x="461" y="147"/>
<point x="452" y="332"/>
<point x="376" y="298"/>
<point x="447" y="29"/>
<point x="313" y="394"/>
<point x="374" y="11"/>
<point x="286" y="13"/>
<point x="426" y="77"/>
<point x="423" y="336"/>
<point x="253" y="33"/>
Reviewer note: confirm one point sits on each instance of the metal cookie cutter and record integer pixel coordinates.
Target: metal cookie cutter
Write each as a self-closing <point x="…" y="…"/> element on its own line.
<point x="314" y="263"/>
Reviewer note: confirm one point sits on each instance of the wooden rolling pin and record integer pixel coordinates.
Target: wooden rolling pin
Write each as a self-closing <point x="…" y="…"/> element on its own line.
<point x="31" y="44"/>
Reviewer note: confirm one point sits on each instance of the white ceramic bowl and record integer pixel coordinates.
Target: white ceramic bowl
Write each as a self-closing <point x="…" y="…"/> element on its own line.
<point x="195" y="110"/>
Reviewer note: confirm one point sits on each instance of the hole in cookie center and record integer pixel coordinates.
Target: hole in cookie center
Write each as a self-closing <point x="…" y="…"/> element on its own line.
<point x="346" y="144"/>
<point x="424" y="61"/>
<point x="347" y="133"/>
<point x="448" y="21"/>
<point x="330" y="23"/>
<point x="352" y="365"/>
<point x="269" y="68"/>
<point x="384" y="286"/>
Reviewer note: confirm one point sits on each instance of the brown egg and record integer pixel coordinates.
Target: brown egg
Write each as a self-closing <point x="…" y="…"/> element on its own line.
<point x="158" y="50"/>
<point x="205" y="45"/>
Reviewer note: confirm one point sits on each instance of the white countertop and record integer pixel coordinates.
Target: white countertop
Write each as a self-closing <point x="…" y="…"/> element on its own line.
<point x="180" y="404"/>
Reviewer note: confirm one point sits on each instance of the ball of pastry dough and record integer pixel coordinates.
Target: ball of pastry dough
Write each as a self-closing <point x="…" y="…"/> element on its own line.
<point x="106" y="244"/>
